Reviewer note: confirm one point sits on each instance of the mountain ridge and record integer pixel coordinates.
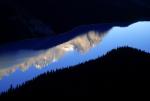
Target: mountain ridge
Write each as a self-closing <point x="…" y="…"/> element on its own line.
<point x="59" y="16"/>
<point x="115" y="71"/>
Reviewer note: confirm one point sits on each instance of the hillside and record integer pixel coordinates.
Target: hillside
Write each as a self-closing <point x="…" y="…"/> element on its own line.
<point x="121" y="69"/>
<point x="23" y="19"/>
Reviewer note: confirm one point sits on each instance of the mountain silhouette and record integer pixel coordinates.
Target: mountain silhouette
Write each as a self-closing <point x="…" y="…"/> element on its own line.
<point x="35" y="18"/>
<point x="120" y="69"/>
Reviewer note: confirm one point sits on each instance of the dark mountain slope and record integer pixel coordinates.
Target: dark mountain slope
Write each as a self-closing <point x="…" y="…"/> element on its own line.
<point x="63" y="15"/>
<point x="122" y="69"/>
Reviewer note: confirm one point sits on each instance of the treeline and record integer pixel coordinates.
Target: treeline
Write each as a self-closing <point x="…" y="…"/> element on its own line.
<point x="121" y="69"/>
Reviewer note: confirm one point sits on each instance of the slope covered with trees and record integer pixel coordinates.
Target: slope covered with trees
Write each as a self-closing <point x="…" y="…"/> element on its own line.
<point x="121" y="69"/>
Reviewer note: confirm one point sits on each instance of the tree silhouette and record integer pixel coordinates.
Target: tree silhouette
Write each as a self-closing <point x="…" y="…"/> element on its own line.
<point x="123" y="68"/>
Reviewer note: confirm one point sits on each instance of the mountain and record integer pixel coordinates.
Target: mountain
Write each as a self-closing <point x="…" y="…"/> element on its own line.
<point x="25" y="59"/>
<point x="22" y="19"/>
<point x="120" y="69"/>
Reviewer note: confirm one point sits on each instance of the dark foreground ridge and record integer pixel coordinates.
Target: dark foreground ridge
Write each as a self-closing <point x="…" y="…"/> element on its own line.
<point x="122" y="68"/>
